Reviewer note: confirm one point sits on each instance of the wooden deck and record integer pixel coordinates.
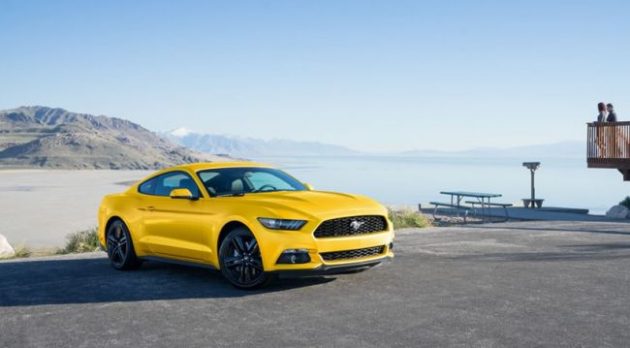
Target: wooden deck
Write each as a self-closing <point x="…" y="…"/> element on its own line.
<point x="608" y="146"/>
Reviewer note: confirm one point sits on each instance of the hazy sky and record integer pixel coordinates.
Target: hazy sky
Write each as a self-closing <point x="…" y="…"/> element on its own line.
<point x="372" y="75"/>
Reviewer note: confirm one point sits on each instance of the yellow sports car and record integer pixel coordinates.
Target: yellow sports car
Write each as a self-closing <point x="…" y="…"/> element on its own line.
<point x="248" y="220"/>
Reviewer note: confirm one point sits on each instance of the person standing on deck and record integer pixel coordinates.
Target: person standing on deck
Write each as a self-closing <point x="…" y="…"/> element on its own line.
<point x="601" y="132"/>
<point x="612" y="115"/>
<point x="603" y="114"/>
<point x="616" y="138"/>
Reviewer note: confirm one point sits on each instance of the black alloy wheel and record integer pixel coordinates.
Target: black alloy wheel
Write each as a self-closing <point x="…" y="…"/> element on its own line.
<point x="120" y="247"/>
<point x="240" y="260"/>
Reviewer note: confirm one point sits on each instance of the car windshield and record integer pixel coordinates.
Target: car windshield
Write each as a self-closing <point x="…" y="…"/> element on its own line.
<point x="239" y="181"/>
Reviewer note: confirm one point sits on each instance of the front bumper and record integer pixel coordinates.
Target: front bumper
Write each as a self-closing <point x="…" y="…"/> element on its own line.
<point x="274" y="243"/>
<point x="325" y="270"/>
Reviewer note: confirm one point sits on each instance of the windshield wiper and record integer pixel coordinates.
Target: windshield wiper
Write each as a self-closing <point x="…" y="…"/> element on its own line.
<point x="240" y="194"/>
<point x="278" y="190"/>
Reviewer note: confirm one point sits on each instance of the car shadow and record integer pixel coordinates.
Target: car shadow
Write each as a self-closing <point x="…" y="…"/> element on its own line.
<point x="93" y="280"/>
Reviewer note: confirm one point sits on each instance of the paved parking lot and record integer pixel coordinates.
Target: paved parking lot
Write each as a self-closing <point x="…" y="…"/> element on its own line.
<point x="515" y="284"/>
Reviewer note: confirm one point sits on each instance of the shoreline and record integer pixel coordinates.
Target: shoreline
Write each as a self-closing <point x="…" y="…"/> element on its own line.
<point x="41" y="207"/>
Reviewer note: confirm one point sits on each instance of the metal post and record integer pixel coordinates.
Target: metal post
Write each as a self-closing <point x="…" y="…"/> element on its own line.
<point x="533" y="188"/>
<point x="532" y="166"/>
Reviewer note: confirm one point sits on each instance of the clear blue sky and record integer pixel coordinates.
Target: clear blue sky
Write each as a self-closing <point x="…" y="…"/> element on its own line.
<point x="372" y="75"/>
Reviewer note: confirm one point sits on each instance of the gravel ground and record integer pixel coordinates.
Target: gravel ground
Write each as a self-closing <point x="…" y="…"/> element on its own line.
<point x="521" y="284"/>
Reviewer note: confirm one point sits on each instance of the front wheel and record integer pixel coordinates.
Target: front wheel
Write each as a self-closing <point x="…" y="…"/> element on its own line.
<point x="120" y="247"/>
<point x="240" y="260"/>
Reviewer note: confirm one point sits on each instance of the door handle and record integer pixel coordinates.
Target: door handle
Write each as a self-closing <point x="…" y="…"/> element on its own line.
<point x="150" y="208"/>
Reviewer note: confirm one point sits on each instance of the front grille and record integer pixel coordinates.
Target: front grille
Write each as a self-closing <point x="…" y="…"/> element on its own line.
<point x="350" y="226"/>
<point x="353" y="254"/>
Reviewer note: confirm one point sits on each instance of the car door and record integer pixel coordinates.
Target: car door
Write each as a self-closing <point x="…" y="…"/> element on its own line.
<point x="173" y="226"/>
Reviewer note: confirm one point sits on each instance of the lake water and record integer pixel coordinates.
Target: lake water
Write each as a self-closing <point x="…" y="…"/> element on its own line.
<point x="397" y="180"/>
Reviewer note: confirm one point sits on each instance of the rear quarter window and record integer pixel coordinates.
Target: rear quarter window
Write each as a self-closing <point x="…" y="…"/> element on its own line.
<point x="148" y="187"/>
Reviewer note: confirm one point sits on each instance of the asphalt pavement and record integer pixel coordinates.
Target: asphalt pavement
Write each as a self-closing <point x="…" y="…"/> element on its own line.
<point x="513" y="284"/>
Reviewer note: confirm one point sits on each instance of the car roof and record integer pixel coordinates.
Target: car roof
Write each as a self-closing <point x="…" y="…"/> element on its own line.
<point x="215" y="165"/>
<point x="199" y="166"/>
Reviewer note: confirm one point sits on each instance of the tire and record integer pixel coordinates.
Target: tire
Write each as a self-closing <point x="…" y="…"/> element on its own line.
<point x="240" y="260"/>
<point x="120" y="251"/>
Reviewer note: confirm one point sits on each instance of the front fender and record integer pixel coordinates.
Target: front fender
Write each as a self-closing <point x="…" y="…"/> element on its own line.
<point x="116" y="208"/>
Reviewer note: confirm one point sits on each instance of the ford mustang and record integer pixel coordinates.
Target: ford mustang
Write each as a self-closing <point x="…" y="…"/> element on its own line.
<point x="248" y="220"/>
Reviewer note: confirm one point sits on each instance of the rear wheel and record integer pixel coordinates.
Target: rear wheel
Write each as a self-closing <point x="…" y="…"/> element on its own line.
<point x="241" y="263"/>
<point x="120" y="247"/>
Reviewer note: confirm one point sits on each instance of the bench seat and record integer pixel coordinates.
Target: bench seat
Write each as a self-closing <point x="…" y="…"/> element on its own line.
<point x="536" y="203"/>
<point x="502" y="205"/>
<point x="442" y="204"/>
<point x="449" y="205"/>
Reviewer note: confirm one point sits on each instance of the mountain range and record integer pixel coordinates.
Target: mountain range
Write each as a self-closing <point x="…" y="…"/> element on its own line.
<point x="44" y="137"/>
<point x="38" y="136"/>
<point x="252" y="147"/>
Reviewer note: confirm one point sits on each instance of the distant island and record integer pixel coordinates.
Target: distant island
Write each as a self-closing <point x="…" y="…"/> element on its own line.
<point x="564" y="149"/>
<point x="44" y="137"/>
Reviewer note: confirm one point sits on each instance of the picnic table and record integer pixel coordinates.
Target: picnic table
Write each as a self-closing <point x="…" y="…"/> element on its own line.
<point x="457" y="196"/>
<point x="482" y="198"/>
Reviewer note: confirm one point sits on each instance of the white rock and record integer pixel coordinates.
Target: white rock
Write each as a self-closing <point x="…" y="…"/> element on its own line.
<point x="618" y="212"/>
<point x="5" y="248"/>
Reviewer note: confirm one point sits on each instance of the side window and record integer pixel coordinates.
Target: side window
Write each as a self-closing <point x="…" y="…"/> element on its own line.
<point x="211" y="181"/>
<point x="164" y="184"/>
<point x="148" y="187"/>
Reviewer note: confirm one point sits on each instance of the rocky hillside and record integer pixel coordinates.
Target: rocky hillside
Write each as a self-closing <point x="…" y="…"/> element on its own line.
<point x="37" y="136"/>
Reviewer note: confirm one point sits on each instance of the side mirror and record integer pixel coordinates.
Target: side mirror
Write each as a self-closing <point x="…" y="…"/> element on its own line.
<point x="308" y="186"/>
<point x="182" y="193"/>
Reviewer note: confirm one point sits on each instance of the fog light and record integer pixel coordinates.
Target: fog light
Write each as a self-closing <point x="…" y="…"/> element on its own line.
<point x="294" y="256"/>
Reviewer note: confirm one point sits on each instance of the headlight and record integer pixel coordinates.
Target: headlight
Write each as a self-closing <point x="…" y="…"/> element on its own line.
<point x="282" y="224"/>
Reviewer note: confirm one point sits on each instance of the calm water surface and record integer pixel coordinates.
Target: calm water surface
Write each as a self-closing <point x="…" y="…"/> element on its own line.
<point x="399" y="180"/>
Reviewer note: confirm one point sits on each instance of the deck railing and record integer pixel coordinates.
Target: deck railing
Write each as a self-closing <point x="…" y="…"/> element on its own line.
<point x="608" y="143"/>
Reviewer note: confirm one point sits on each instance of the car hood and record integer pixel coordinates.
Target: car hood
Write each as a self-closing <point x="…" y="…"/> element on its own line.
<point x="315" y="204"/>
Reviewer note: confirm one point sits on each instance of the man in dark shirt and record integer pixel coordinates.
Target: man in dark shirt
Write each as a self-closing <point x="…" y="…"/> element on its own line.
<point x="612" y="134"/>
<point x="612" y="116"/>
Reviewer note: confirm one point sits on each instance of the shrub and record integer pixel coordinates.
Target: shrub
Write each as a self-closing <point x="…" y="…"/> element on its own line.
<point x="22" y="251"/>
<point x="404" y="218"/>
<point x="81" y="242"/>
<point x="626" y="202"/>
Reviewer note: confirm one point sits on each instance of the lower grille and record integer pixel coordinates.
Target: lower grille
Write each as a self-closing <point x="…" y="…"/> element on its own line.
<point x="353" y="254"/>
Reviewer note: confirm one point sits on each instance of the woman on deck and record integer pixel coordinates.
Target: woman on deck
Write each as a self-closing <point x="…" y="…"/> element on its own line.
<point x="601" y="132"/>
